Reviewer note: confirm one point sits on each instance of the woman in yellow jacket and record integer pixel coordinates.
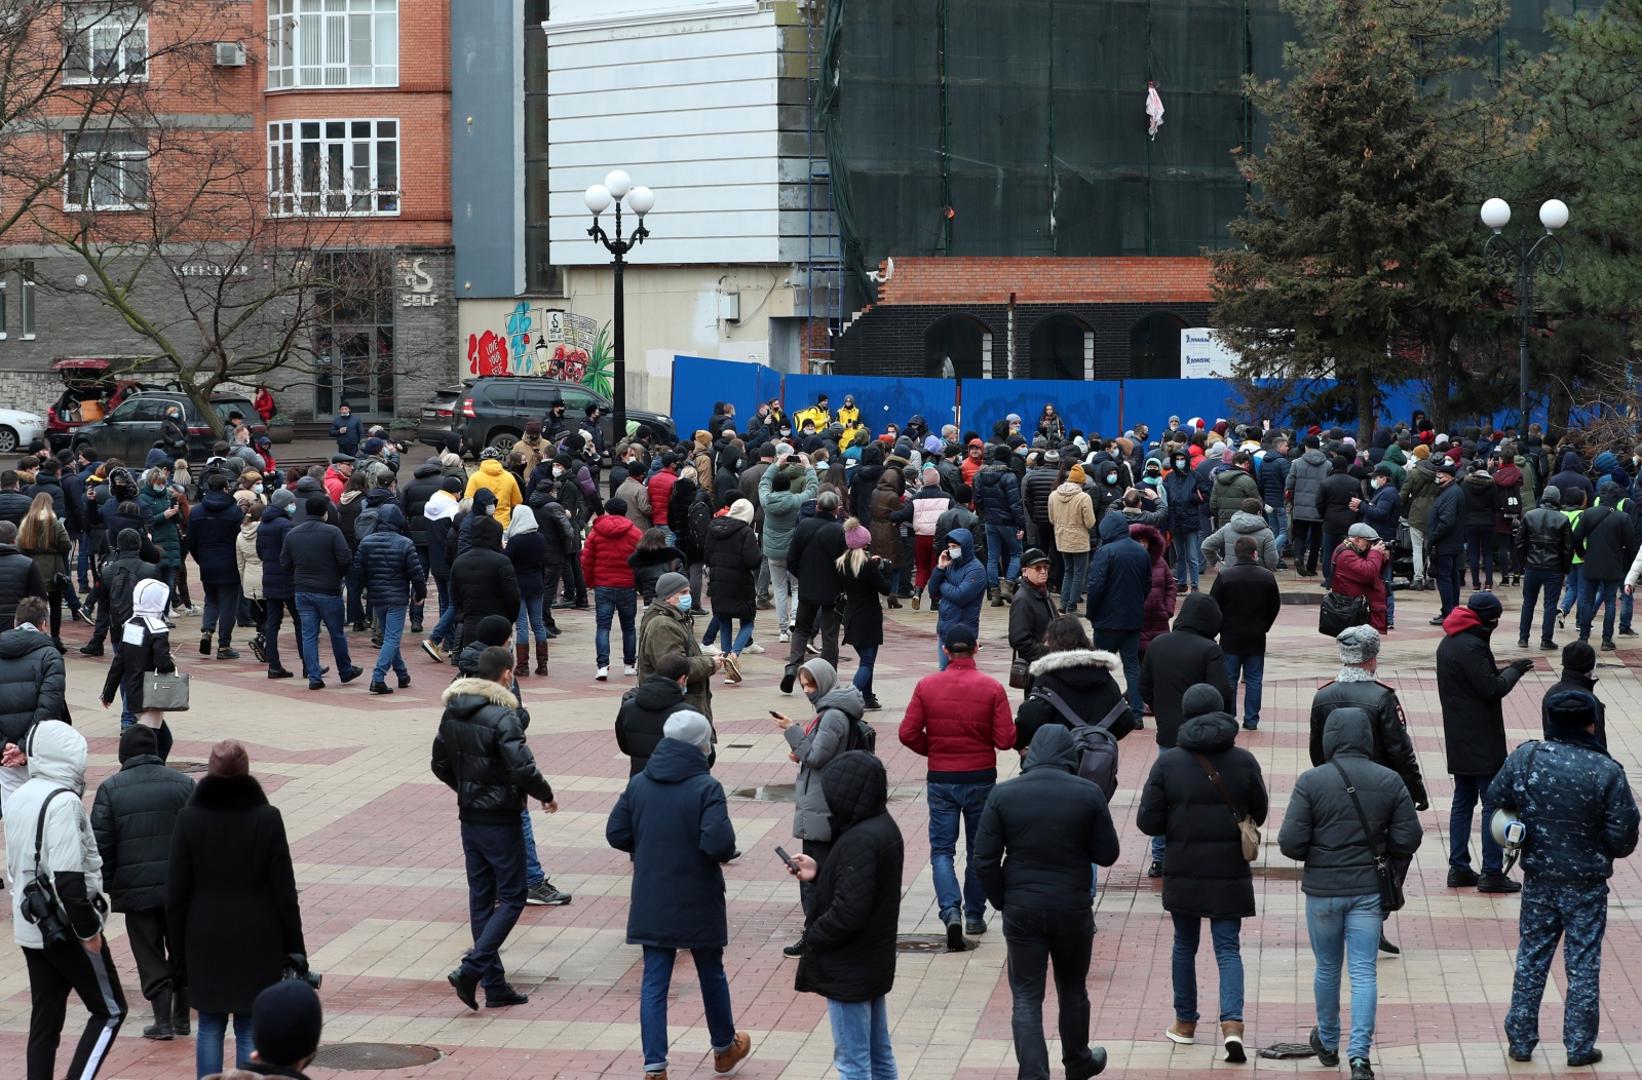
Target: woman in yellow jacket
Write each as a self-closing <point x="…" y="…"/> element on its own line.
<point x="498" y="481"/>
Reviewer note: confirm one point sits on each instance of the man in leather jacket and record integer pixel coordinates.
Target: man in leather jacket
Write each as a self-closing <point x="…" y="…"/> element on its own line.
<point x="1356" y="687"/>
<point x="1545" y="544"/>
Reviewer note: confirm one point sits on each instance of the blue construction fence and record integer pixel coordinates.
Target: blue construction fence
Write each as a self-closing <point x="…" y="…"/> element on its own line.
<point x="1105" y="406"/>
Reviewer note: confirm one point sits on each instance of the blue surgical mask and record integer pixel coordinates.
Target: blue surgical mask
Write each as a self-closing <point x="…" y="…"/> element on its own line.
<point x="684" y="602"/>
<point x="290" y="510"/>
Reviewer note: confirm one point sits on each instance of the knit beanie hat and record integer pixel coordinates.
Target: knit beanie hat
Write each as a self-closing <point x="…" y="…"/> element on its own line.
<point x="1076" y="475"/>
<point x="494" y="630"/>
<point x="1486" y="605"/>
<point x="689" y="726"/>
<point x="283" y="498"/>
<point x="1358" y="644"/>
<point x="288" y="1021"/>
<point x="1200" y="700"/>
<point x="858" y="537"/>
<point x="742" y="510"/>
<point x="1421" y="451"/>
<point x="671" y="584"/>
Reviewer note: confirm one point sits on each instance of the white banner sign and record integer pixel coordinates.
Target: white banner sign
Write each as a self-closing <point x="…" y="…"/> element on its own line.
<point x="1204" y="356"/>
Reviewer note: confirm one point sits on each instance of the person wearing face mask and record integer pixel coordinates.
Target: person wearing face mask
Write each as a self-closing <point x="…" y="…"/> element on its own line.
<point x="665" y="630"/>
<point x="957" y="586"/>
<point x="1381" y="512"/>
<point x="645" y="709"/>
<point x="1186" y="490"/>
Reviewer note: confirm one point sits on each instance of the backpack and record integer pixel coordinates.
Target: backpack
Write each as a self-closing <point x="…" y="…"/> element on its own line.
<point x="861" y="736"/>
<point x="220" y="466"/>
<point x="1095" y="745"/>
<point x="365" y="523"/>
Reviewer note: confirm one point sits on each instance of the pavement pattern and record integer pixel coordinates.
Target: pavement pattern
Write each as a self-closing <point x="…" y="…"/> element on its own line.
<point x="384" y="903"/>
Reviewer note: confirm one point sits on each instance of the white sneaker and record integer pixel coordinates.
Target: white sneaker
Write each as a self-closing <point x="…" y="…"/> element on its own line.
<point x="629" y="669"/>
<point x="753" y="647"/>
<point x="602" y="674"/>
<point x="711" y="650"/>
<point x="784" y="638"/>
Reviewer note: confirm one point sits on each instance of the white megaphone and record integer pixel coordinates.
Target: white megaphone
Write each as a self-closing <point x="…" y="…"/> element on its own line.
<point x="1509" y="833"/>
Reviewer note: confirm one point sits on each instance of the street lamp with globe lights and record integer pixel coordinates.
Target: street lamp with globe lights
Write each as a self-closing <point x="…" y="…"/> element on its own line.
<point x="1524" y="254"/>
<point x="618" y="187"/>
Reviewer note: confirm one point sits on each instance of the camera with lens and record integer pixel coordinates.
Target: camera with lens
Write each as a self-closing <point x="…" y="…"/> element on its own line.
<point x="40" y="909"/>
<point x="296" y="968"/>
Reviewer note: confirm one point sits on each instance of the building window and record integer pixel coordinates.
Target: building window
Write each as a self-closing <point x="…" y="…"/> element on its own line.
<point x="107" y="170"/>
<point x="3" y="334"/>
<point x="333" y="167"/>
<point x="333" y="43"/>
<point x="106" y="43"/>
<point x="26" y="295"/>
<point x="354" y="335"/>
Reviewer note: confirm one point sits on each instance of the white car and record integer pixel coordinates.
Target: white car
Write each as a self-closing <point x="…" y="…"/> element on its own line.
<point x="21" y="431"/>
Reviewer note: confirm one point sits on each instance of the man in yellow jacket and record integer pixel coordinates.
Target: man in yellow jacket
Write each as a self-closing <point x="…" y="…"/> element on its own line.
<point x="819" y="414"/>
<point x="848" y="414"/>
<point x="499" y="481"/>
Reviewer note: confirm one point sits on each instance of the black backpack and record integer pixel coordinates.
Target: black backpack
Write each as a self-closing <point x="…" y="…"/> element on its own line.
<point x="861" y="736"/>
<point x="1095" y="745"/>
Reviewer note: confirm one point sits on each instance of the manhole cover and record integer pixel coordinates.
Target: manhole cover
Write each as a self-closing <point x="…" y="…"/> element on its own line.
<point x="374" y="1057"/>
<point x="188" y="766"/>
<point x="920" y="943"/>
<point x="766" y="793"/>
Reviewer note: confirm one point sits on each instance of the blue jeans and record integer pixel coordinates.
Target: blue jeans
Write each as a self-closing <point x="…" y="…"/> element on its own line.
<point x="496" y="896"/>
<point x="1160" y="845"/>
<point x="1126" y="643"/>
<point x="1533" y="583"/>
<point x="610" y="601"/>
<point x="947" y="802"/>
<point x="1188" y="930"/>
<point x="1627" y="603"/>
<point x="530" y="621"/>
<point x="1074" y="578"/>
<point x="1468" y="791"/>
<point x="1000" y="541"/>
<point x="313" y="609"/>
<point x="1188" y="557"/>
<point x="444" y="631"/>
<point x="732" y="642"/>
<point x="534" y="874"/>
<point x="393" y="629"/>
<point x="865" y="657"/>
<point x="715" y="996"/>
<point x="860" y="1040"/>
<point x="221" y="611"/>
<point x="1338" y="925"/>
<point x="210" y="1033"/>
<point x="1278" y="519"/>
<point x="1591" y="594"/>
<point x="1252" y="667"/>
<point x="1570" y="588"/>
<point x="1390" y="593"/>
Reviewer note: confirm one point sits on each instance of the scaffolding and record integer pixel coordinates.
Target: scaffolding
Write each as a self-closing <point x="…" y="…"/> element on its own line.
<point x="823" y="293"/>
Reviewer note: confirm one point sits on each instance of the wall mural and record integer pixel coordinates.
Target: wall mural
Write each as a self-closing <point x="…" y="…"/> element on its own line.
<point x="549" y="343"/>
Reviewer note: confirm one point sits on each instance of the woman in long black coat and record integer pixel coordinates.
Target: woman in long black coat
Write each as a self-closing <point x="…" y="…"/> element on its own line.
<point x="732" y="562"/>
<point x="1204" y="873"/>
<point x="231" y="903"/>
<point x="865" y="578"/>
<point x="141" y="645"/>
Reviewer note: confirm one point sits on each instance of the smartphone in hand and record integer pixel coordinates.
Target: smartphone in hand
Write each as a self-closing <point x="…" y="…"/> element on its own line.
<point x="792" y="866"/>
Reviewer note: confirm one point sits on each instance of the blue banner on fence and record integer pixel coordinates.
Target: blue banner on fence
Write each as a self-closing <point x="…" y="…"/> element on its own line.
<point x="699" y="382"/>
<point x="1086" y="406"/>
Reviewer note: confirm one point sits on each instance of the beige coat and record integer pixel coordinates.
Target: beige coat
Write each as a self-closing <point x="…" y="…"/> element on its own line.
<point x="1072" y="513"/>
<point x="250" y="565"/>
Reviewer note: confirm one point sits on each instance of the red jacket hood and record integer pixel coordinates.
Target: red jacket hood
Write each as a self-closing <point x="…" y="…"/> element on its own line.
<point x="1460" y="620"/>
<point x="1507" y="476"/>
<point x="1149" y="536"/>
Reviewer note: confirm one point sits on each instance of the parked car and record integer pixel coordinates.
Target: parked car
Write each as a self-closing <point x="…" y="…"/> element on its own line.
<point x="90" y="393"/>
<point x="134" y="426"/>
<point x="21" y="431"/>
<point x="493" y="409"/>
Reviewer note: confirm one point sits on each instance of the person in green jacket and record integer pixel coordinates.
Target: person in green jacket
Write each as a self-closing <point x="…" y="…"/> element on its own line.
<point x="665" y="630"/>
<point x="158" y="504"/>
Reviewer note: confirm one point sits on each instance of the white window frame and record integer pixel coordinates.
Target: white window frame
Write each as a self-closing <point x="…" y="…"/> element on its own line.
<point x="2" y="309"/>
<point x="326" y="156"/>
<point x="118" y="31"/>
<point x="103" y="160"/>
<point x="26" y="275"/>
<point x="325" y="44"/>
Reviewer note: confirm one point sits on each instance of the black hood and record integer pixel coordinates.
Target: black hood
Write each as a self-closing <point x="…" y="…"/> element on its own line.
<point x="856" y="788"/>
<point x="390" y="518"/>
<point x="428" y="470"/>
<point x="657" y="693"/>
<point x="1051" y="749"/>
<point x="1199" y="613"/>
<point x="1207" y="733"/>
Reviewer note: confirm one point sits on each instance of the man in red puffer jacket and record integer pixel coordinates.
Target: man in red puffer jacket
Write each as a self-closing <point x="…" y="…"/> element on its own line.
<point x="959" y="719"/>
<point x="610" y="540"/>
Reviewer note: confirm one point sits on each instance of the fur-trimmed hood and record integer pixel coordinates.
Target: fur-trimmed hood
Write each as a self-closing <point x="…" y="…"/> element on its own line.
<point x="494" y="693"/>
<point x="1075" y="658"/>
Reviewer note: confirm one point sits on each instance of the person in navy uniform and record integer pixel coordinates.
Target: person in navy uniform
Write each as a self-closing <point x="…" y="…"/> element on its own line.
<point x="1580" y="816"/>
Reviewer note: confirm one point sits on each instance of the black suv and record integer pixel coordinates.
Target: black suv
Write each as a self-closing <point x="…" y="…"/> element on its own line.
<point x="134" y="426"/>
<point x="493" y="409"/>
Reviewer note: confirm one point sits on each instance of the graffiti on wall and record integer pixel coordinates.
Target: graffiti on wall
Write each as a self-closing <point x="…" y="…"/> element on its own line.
<point x="549" y="343"/>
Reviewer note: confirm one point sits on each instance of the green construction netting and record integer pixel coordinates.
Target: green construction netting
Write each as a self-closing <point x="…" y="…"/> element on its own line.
<point x="1026" y="117"/>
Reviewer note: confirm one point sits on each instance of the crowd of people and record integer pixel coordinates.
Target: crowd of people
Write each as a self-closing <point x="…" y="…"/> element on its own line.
<point x="1099" y="547"/>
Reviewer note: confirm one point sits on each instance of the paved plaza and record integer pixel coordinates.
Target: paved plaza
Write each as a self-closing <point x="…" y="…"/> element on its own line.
<point x="384" y="903"/>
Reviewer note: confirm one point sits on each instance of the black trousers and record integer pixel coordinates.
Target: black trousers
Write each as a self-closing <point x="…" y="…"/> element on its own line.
<point x="270" y="630"/>
<point x="54" y="973"/>
<point x="813" y="616"/>
<point x="147" y="932"/>
<point x="1308" y="543"/>
<point x="1034" y="938"/>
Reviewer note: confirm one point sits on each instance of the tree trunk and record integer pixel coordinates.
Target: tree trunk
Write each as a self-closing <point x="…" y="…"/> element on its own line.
<point x="1367" y="414"/>
<point x="201" y="397"/>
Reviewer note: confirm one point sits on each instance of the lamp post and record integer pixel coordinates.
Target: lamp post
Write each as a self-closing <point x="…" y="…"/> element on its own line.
<point x="1524" y="254"/>
<point x="618" y="186"/>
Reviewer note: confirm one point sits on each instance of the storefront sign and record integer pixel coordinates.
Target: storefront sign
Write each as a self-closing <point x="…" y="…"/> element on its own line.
<point x="211" y="269"/>
<point x="420" y="284"/>
<point x="1204" y="356"/>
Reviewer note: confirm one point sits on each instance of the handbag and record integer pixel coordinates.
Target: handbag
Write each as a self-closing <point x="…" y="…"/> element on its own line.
<point x="1341" y="613"/>
<point x="168" y="693"/>
<point x="1247" y="831"/>
<point x="1019" y="675"/>
<point x="1391" y="890"/>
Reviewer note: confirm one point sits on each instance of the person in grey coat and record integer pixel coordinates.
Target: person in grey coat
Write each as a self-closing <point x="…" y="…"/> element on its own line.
<point x="1304" y="492"/>
<point x="838" y="705"/>
<point x="1321" y="829"/>
<point x="1218" y="546"/>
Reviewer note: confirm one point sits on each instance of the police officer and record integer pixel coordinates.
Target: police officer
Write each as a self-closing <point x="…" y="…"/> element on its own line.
<point x="1579" y="816"/>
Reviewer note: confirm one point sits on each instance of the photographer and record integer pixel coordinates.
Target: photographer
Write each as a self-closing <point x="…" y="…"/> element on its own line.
<point x="57" y="905"/>
<point x="1359" y="570"/>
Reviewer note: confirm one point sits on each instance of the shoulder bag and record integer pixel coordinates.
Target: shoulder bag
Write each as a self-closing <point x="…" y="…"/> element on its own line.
<point x="1391" y="890"/>
<point x="1341" y="612"/>
<point x="1247" y="830"/>
<point x="168" y="693"/>
<point x="1019" y="674"/>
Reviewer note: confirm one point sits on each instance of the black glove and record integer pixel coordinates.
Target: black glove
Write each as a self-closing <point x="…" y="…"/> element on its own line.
<point x="1524" y="665"/>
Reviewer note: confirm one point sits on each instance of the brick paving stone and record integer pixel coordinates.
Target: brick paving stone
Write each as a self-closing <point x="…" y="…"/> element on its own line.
<point x="379" y="867"/>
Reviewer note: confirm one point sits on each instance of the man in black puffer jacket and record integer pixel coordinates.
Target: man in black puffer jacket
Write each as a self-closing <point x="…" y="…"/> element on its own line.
<point x="1038" y="835"/>
<point x="132" y="818"/>
<point x="213" y="528"/>
<point x="386" y="565"/>
<point x="482" y="581"/>
<point x="849" y="943"/>
<point x="32" y="685"/>
<point x="317" y="558"/>
<point x="645" y="709"/>
<point x="1321" y="829"/>
<point x="480" y="753"/>
<point x="413" y="499"/>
